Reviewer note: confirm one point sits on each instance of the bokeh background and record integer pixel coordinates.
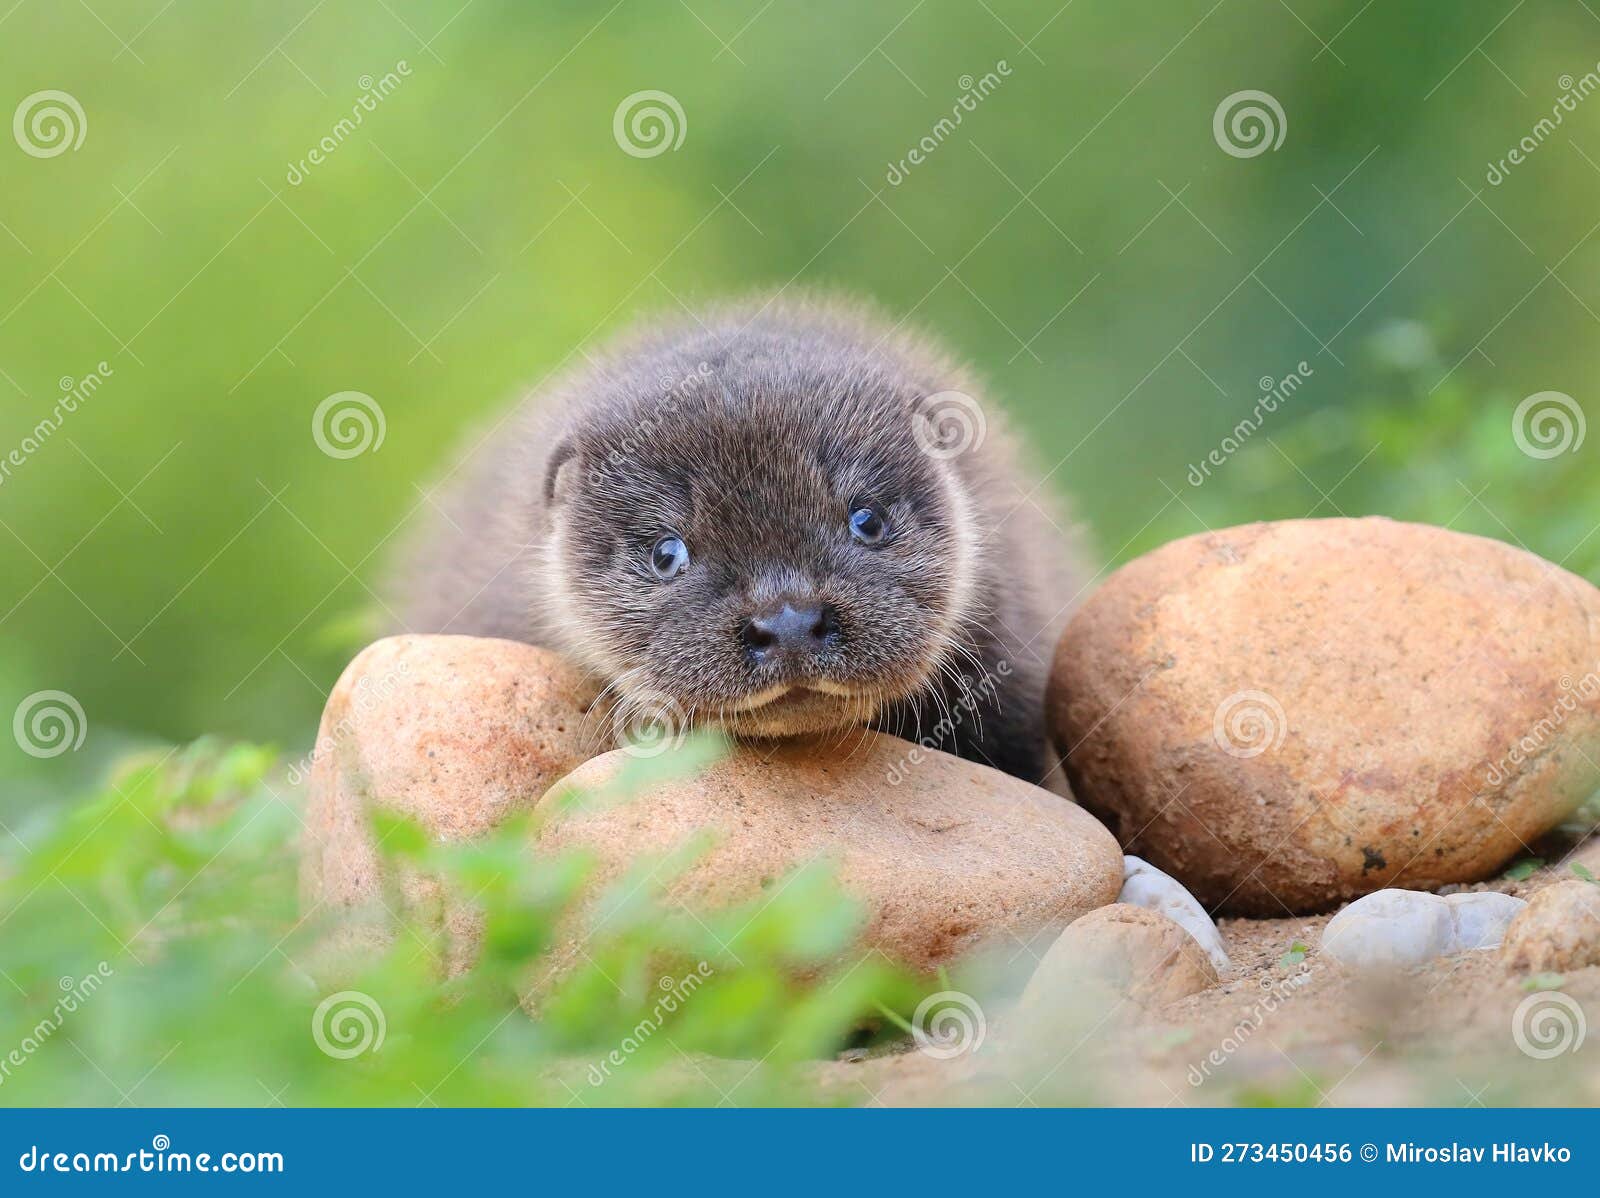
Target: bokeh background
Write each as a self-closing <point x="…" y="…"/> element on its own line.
<point x="181" y="557"/>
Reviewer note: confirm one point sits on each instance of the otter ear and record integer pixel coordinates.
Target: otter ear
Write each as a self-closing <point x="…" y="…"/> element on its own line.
<point x="564" y="452"/>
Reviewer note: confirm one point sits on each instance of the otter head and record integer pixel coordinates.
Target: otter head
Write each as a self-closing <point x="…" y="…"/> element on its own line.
<point x="761" y="550"/>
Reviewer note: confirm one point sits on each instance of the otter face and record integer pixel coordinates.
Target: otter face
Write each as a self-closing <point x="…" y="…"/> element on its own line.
<point x="772" y="564"/>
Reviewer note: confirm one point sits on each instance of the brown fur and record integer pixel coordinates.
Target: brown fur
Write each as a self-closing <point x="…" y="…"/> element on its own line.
<point x="750" y="431"/>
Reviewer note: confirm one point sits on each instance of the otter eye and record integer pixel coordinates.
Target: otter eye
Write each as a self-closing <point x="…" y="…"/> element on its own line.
<point x="867" y="525"/>
<point x="668" y="558"/>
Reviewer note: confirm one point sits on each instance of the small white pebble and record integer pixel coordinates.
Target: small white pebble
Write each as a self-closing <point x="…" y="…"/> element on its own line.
<point x="1481" y="919"/>
<point x="1143" y="885"/>
<point x="1400" y="928"/>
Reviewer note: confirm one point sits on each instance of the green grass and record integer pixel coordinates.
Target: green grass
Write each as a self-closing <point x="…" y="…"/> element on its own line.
<point x="175" y="889"/>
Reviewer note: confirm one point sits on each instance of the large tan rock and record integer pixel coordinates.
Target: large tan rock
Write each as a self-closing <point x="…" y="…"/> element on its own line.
<point x="1130" y="952"/>
<point x="1558" y="930"/>
<point x="1284" y="716"/>
<point x="456" y="733"/>
<point x="958" y="855"/>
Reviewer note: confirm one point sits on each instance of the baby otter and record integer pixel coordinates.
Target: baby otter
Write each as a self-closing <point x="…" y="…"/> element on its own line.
<point x="779" y="517"/>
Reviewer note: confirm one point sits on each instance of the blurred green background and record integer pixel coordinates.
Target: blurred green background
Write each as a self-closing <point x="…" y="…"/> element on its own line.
<point x="181" y="557"/>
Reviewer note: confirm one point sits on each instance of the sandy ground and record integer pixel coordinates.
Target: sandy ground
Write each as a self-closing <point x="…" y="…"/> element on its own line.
<point x="1276" y="1032"/>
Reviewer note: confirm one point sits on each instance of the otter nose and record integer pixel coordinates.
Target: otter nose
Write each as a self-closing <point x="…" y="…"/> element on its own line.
<point x="790" y="631"/>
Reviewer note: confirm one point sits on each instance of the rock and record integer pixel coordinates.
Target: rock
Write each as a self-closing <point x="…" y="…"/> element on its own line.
<point x="456" y="733"/>
<point x="1396" y="929"/>
<point x="1284" y="716"/>
<point x="1143" y="885"/>
<point x="1558" y="930"/>
<point x="1134" y="952"/>
<point x="964" y="856"/>
<point x="1481" y="919"/>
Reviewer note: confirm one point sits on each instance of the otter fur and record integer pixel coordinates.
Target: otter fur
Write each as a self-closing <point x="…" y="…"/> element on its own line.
<point x="776" y="516"/>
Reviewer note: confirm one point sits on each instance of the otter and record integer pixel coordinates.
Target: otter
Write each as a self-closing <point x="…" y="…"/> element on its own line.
<point x="779" y="516"/>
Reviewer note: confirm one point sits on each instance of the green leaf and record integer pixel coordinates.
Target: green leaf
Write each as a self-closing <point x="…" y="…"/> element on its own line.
<point x="1525" y="868"/>
<point x="1544" y="981"/>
